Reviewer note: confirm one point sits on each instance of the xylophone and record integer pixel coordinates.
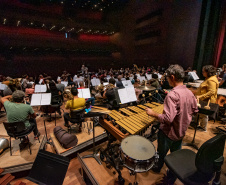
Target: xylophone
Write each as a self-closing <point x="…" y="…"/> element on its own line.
<point x="132" y="120"/>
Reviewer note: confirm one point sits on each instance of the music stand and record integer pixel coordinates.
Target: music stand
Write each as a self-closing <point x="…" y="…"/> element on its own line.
<point x="95" y="115"/>
<point x="47" y="139"/>
<point x="207" y="112"/>
<point x="48" y="168"/>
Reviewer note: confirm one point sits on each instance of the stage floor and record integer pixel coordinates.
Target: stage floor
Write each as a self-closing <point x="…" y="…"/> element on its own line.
<point x="100" y="174"/>
<point x="20" y="160"/>
<point x="84" y="139"/>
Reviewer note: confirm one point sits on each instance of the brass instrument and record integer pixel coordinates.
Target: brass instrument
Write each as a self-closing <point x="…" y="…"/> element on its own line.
<point x="131" y="120"/>
<point x="13" y="84"/>
<point x="100" y="88"/>
<point x="135" y="66"/>
<point x="67" y="94"/>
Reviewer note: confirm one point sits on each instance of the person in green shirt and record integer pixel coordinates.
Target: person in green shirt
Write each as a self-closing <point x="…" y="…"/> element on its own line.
<point x="18" y="111"/>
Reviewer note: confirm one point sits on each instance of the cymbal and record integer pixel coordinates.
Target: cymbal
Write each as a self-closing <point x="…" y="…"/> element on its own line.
<point x="146" y="88"/>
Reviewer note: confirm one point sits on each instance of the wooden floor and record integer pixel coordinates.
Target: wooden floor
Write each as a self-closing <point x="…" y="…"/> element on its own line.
<point x="73" y="176"/>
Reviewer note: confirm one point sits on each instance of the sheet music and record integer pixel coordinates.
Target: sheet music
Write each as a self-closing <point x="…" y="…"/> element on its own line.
<point x="40" y="99"/>
<point x="127" y="83"/>
<point x="138" y="75"/>
<point x="159" y="76"/>
<point x="40" y="82"/>
<point x="123" y="79"/>
<point x="2" y="86"/>
<point x="65" y="83"/>
<point x="86" y="93"/>
<point x="196" y="85"/>
<point x="36" y="99"/>
<point x="149" y="76"/>
<point x="105" y="83"/>
<point x="43" y="88"/>
<point x="141" y="78"/>
<point x="40" y="88"/>
<point x="123" y="95"/>
<point x="95" y="82"/>
<point x="46" y="99"/>
<point x="80" y="93"/>
<point x="58" y="78"/>
<point x="131" y="78"/>
<point x="199" y="81"/>
<point x="221" y="91"/>
<point x="131" y="94"/>
<point x="127" y="95"/>
<point x="194" y="75"/>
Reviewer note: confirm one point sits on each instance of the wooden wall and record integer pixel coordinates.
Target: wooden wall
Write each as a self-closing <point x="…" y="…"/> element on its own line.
<point x="177" y="25"/>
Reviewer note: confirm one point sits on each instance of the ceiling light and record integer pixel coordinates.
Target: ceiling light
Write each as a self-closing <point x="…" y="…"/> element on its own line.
<point x="52" y="27"/>
<point x="62" y="28"/>
<point x="18" y="23"/>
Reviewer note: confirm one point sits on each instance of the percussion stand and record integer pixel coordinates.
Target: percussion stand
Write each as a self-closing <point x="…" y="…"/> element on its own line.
<point x="47" y="139"/>
<point x="201" y="111"/>
<point x="192" y="144"/>
<point x="94" y="154"/>
<point x="135" y="180"/>
<point x="153" y="96"/>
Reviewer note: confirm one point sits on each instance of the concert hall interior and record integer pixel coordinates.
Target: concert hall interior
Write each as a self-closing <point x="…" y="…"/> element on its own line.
<point x="112" y="92"/>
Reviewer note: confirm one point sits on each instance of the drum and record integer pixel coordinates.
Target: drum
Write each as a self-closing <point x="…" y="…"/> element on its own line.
<point x="137" y="153"/>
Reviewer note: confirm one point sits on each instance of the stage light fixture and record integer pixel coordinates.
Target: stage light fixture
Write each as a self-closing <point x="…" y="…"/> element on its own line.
<point x="52" y="27"/>
<point x="18" y="23"/>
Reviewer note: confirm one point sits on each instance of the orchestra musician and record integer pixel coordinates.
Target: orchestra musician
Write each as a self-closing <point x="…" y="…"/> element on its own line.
<point x="179" y="106"/>
<point x="223" y="79"/>
<point x="16" y="111"/>
<point x="109" y="93"/>
<point x="207" y="91"/>
<point x="75" y="104"/>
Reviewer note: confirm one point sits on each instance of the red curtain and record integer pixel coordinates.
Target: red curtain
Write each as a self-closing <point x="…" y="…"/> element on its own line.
<point x="221" y="37"/>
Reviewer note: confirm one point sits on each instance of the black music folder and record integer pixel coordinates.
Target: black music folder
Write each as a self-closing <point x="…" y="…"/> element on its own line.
<point x="49" y="169"/>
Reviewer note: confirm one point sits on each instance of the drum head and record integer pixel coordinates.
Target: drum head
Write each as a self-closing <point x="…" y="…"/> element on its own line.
<point x="138" y="147"/>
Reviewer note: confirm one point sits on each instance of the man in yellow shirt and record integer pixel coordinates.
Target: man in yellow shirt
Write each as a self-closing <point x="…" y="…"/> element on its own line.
<point x="75" y="104"/>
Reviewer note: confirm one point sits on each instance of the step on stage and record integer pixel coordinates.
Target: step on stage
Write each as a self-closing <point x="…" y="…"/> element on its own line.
<point x="85" y="139"/>
<point x="21" y="160"/>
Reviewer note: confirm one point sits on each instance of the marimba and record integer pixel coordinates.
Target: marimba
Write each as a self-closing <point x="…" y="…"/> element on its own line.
<point x="132" y="120"/>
